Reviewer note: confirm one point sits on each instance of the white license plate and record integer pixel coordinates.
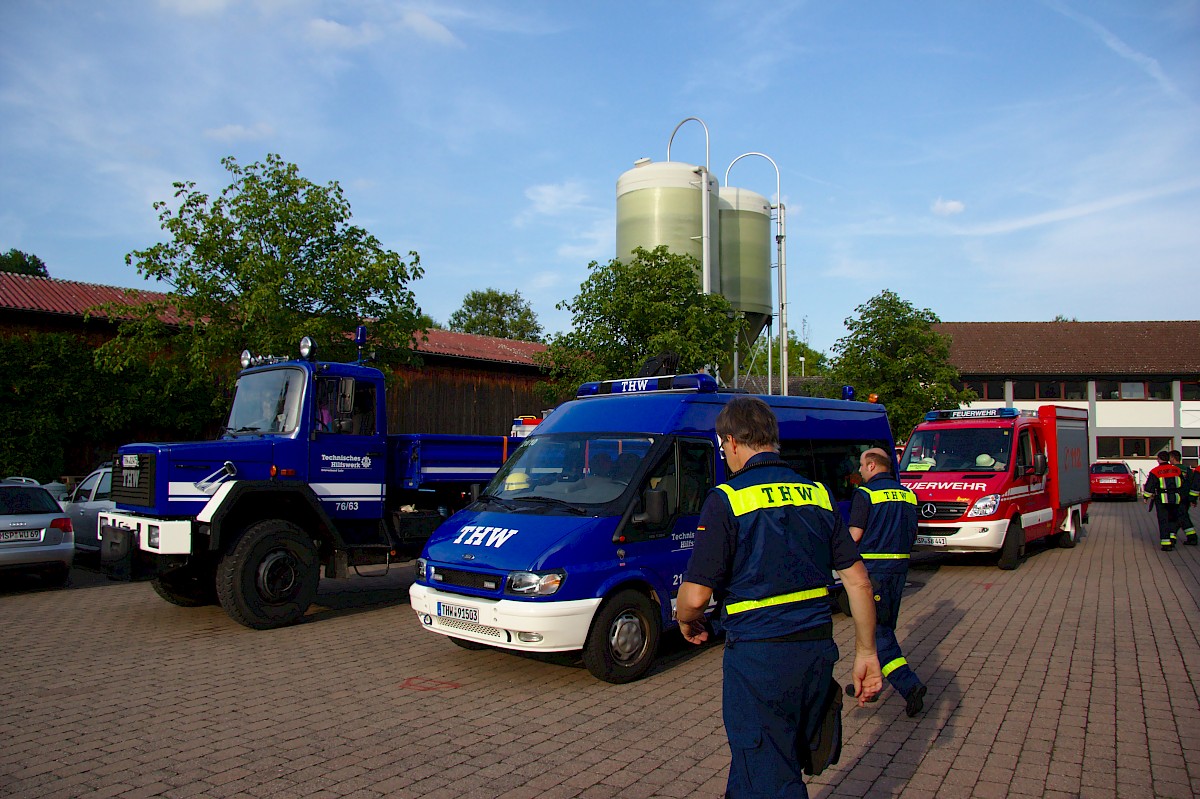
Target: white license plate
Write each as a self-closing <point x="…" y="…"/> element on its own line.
<point x="20" y="535"/>
<point x="457" y="612"/>
<point x="932" y="540"/>
<point x="1107" y="480"/>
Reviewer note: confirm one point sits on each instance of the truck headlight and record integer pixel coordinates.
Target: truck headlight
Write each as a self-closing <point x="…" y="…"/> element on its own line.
<point x="985" y="506"/>
<point x="534" y="583"/>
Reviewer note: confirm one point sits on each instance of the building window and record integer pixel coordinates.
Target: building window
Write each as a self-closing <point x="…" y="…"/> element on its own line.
<point x="986" y="389"/>
<point x="1024" y="390"/>
<point x="1190" y="389"/>
<point x="1133" y="389"/>
<point x="1075" y="390"/>
<point x="1117" y="447"/>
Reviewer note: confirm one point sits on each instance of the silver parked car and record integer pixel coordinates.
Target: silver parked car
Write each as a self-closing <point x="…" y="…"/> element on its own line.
<point x="84" y="504"/>
<point x="35" y="533"/>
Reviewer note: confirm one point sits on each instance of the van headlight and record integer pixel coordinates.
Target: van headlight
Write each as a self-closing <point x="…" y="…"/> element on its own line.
<point x="534" y="583"/>
<point x="420" y="569"/>
<point x="985" y="506"/>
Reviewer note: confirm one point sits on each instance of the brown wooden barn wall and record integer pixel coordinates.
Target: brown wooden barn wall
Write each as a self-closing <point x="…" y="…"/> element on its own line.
<point x="447" y="399"/>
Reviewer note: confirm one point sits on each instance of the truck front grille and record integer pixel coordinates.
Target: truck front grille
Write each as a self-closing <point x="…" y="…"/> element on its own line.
<point x="940" y="511"/>
<point x="467" y="579"/>
<point x="133" y="479"/>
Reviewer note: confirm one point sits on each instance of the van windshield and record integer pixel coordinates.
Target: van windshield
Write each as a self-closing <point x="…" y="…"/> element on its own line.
<point x="577" y="469"/>
<point x="958" y="449"/>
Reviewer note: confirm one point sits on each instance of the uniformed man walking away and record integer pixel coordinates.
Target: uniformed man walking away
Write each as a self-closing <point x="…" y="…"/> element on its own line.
<point x="1183" y="513"/>
<point x="765" y="544"/>
<point x="883" y="520"/>
<point x="1165" y="492"/>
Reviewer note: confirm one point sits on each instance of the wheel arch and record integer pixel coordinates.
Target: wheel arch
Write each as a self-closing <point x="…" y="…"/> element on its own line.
<point x="253" y="501"/>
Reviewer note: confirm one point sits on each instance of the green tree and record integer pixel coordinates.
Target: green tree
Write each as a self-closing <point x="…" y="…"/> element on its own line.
<point x="23" y="264"/>
<point x="892" y="350"/>
<point x="629" y="311"/>
<point x="497" y="313"/>
<point x="272" y="259"/>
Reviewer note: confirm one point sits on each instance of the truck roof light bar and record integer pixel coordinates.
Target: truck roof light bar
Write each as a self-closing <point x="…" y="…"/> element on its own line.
<point x="973" y="413"/>
<point x="698" y="383"/>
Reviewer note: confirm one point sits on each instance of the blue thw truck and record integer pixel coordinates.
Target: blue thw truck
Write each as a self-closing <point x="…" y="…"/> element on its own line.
<point x="581" y="541"/>
<point x="305" y="476"/>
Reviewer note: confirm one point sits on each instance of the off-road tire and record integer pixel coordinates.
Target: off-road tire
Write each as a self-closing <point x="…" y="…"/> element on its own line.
<point x="1013" y="548"/>
<point x="187" y="587"/>
<point x="623" y="641"/>
<point x="270" y="577"/>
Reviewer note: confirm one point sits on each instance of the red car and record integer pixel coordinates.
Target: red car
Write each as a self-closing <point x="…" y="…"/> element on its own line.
<point x="1112" y="479"/>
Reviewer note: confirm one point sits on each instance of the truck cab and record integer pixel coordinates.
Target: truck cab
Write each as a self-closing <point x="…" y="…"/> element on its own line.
<point x="991" y="480"/>
<point x="581" y="541"/>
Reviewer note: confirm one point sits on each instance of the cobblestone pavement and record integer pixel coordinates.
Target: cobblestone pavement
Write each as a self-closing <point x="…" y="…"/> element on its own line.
<point x="1066" y="678"/>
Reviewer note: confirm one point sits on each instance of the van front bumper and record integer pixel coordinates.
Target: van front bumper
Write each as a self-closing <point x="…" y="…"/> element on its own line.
<point x="961" y="537"/>
<point x="547" y="626"/>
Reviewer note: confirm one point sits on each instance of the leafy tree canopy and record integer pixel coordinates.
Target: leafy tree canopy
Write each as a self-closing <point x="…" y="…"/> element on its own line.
<point x="23" y="264"/>
<point x="497" y="313"/>
<point x="629" y="311"/>
<point x="272" y="259"/>
<point x="891" y="350"/>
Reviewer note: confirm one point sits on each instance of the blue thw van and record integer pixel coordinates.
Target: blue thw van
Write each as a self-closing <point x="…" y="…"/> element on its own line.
<point x="581" y="540"/>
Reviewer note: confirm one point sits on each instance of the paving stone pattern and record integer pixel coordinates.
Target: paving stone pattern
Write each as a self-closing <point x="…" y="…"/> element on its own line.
<point x="1075" y="676"/>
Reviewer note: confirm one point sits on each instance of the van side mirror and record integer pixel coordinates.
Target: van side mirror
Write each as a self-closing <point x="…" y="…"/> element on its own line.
<point x="1039" y="464"/>
<point x="656" y="507"/>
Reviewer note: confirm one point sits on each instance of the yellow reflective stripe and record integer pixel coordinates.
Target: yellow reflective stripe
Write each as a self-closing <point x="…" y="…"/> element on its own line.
<point x="775" y="495"/>
<point x="890" y="495"/>
<point x="782" y="599"/>
<point x="882" y="556"/>
<point x="893" y="665"/>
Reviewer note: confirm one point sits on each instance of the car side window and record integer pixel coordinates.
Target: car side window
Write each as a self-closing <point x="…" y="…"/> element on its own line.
<point x="104" y="490"/>
<point x="84" y="490"/>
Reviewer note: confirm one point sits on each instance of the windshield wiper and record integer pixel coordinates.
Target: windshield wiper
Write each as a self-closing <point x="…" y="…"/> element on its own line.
<point x="492" y="499"/>
<point x="558" y="503"/>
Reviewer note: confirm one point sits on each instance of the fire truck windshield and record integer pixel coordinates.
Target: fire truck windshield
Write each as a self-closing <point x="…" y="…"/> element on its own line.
<point x="958" y="449"/>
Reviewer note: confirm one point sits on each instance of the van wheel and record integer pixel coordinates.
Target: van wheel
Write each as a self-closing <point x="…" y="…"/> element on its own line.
<point x="187" y="587"/>
<point x="623" y="641"/>
<point x="474" y="646"/>
<point x="270" y="578"/>
<point x="1013" y="548"/>
<point x="1068" y="538"/>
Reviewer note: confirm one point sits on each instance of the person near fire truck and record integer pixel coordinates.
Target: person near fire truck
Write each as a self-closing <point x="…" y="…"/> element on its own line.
<point x="883" y="520"/>
<point x="1165" y="491"/>
<point x="765" y="543"/>
<point x="1183" y="513"/>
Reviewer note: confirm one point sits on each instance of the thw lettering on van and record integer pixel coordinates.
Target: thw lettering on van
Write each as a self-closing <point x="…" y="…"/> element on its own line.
<point x="634" y="385"/>
<point x="478" y="536"/>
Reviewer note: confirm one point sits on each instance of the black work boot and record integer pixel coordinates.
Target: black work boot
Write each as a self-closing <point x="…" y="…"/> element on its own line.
<point x="914" y="703"/>
<point x="1167" y="547"/>
<point x="1191" y="540"/>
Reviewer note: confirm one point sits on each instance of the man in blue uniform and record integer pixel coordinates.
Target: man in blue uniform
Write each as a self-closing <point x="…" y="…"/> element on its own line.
<point x="883" y="520"/>
<point x="1182" y="513"/>
<point x="766" y="541"/>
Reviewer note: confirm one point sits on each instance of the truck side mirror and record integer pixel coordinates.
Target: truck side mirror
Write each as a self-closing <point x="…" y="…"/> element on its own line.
<point x="1039" y="464"/>
<point x="656" y="507"/>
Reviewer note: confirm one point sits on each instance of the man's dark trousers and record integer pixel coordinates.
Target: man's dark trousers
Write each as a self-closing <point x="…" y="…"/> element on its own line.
<point x="773" y="692"/>
<point x="889" y="586"/>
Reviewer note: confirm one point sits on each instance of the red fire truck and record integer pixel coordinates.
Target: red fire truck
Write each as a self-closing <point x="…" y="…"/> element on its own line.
<point x="993" y="479"/>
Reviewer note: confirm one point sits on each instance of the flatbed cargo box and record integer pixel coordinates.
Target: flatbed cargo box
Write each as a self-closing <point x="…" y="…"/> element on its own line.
<point x="1066" y="432"/>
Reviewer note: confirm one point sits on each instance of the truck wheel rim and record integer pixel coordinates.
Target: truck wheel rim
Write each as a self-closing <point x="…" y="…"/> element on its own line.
<point x="278" y="576"/>
<point x="627" y="638"/>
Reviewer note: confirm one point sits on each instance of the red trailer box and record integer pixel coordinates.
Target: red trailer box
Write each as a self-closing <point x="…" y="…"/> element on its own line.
<point x="992" y="479"/>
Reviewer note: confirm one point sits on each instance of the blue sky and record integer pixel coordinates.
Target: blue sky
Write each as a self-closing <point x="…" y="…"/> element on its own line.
<point x="989" y="161"/>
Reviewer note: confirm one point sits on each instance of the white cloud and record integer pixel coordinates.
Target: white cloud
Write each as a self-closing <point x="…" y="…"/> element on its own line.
<point x="429" y="29"/>
<point x="550" y="199"/>
<point x="235" y="133"/>
<point x="196" y="7"/>
<point x="327" y="33"/>
<point x="947" y="207"/>
<point x="595" y="243"/>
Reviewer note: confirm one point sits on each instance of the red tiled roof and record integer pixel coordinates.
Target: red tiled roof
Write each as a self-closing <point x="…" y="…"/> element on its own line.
<point x="69" y="298"/>
<point x="1074" y="348"/>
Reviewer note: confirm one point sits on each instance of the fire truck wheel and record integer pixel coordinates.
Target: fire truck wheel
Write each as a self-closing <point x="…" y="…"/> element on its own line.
<point x="270" y="578"/>
<point x="1068" y="538"/>
<point x="187" y="588"/>
<point x="623" y="641"/>
<point x="474" y="646"/>
<point x="1013" y="548"/>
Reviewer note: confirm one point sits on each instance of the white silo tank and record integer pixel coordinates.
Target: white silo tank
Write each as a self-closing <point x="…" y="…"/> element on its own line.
<point x="745" y="248"/>
<point x="663" y="204"/>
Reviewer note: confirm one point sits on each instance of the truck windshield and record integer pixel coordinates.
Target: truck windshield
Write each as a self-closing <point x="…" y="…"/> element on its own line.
<point x="577" y="469"/>
<point x="266" y="402"/>
<point x="958" y="449"/>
